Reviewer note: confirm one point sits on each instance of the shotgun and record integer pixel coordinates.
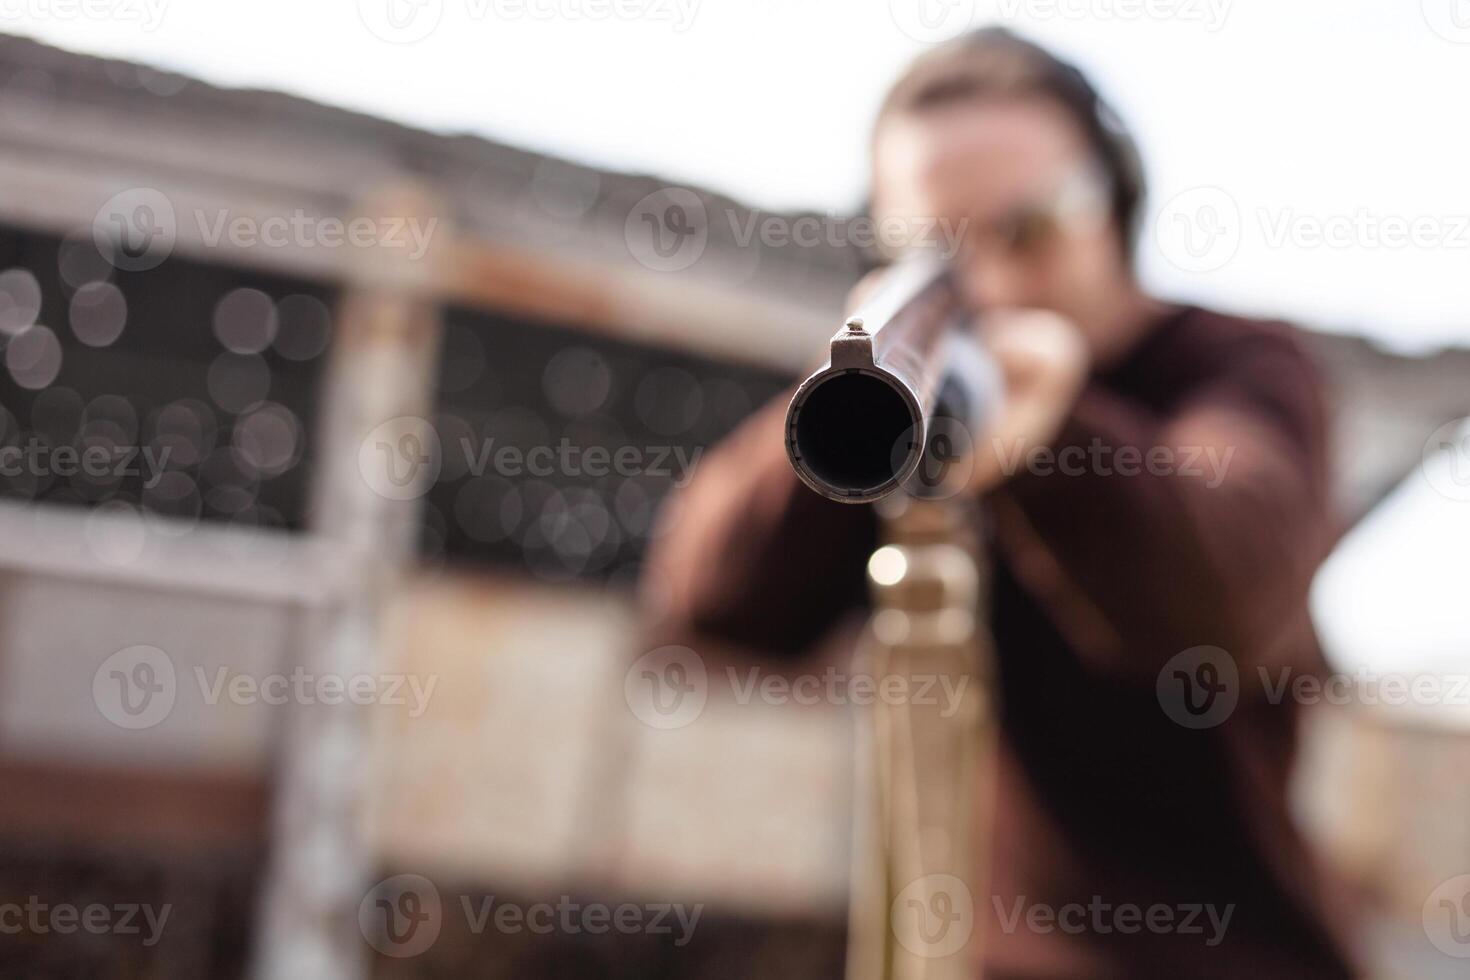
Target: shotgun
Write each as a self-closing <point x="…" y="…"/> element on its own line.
<point x="905" y="387"/>
<point x="898" y="401"/>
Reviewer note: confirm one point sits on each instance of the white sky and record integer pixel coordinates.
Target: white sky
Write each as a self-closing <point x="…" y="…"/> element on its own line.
<point x="1391" y="599"/>
<point x="1346" y="111"/>
<point x="1340" y="111"/>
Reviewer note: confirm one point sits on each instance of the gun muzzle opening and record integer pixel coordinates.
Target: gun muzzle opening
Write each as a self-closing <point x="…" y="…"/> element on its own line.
<point x="854" y="435"/>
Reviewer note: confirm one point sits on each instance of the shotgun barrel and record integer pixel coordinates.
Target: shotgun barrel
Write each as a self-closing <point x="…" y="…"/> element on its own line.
<point x="904" y="390"/>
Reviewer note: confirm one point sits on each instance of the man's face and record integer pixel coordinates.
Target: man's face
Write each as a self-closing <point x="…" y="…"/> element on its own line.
<point x="1015" y="178"/>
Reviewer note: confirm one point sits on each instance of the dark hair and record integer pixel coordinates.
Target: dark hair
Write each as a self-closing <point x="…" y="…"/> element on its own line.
<point x="994" y="62"/>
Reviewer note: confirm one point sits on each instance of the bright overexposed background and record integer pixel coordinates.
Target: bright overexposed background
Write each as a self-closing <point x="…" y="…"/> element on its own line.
<point x="1253" y="116"/>
<point x="1346" y="111"/>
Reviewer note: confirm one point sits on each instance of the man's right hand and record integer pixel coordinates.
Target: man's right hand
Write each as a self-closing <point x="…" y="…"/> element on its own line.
<point x="1044" y="362"/>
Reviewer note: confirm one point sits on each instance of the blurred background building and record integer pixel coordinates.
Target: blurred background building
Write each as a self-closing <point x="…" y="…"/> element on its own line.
<point x="508" y="299"/>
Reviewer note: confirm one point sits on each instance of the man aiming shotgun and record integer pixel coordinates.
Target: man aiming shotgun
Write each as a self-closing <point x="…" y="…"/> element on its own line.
<point x="1135" y="772"/>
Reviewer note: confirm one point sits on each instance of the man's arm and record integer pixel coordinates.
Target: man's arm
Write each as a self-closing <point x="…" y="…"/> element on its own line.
<point x="1154" y="563"/>
<point x="750" y="554"/>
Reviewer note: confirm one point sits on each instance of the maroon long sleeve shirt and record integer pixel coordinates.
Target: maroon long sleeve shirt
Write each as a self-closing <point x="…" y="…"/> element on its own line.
<point x="1108" y="563"/>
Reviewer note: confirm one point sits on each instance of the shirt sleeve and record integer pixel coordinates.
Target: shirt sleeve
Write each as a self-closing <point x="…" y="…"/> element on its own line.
<point x="750" y="554"/>
<point x="1151" y="532"/>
